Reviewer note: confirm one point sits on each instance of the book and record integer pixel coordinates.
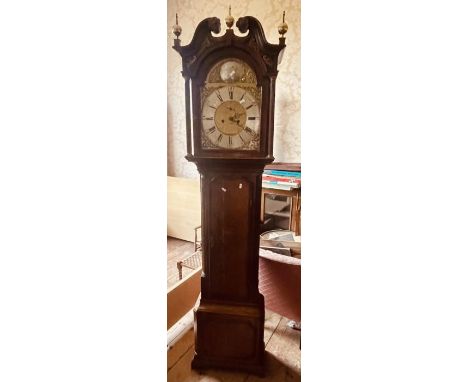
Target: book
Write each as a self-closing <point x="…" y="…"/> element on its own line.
<point x="274" y="182"/>
<point x="283" y="166"/>
<point x="277" y="186"/>
<point x="292" y="174"/>
<point x="281" y="179"/>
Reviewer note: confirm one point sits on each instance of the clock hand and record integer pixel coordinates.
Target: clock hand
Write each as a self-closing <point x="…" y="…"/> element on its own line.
<point x="237" y="117"/>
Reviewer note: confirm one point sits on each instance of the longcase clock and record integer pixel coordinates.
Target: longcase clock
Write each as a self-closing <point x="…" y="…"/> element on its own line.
<point x="229" y="100"/>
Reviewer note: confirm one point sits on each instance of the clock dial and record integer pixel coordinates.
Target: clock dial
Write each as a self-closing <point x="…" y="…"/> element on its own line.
<point x="231" y="118"/>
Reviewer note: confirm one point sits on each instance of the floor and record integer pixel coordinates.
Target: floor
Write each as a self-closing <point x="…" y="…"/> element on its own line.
<point x="283" y="358"/>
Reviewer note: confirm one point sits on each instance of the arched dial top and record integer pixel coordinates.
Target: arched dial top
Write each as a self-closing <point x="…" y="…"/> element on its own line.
<point x="230" y="103"/>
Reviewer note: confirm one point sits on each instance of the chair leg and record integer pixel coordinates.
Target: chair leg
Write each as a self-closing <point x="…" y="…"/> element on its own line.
<point x="179" y="267"/>
<point x="294" y="325"/>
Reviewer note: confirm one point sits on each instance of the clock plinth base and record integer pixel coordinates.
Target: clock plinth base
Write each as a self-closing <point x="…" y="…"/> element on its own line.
<point x="230" y="337"/>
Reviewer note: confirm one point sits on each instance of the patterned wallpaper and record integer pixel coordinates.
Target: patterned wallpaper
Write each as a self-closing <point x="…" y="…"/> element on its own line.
<point x="287" y="142"/>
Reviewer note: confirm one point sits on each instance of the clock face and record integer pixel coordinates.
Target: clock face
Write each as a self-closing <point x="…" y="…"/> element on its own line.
<point x="231" y="118"/>
<point x="230" y="107"/>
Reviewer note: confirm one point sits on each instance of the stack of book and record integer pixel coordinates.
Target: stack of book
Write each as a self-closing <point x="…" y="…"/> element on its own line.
<point x="282" y="176"/>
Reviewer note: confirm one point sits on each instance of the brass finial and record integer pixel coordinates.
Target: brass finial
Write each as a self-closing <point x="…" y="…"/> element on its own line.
<point x="283" y="27"/>
<point x="177" y="29"/>
<point x="229" y="19"/>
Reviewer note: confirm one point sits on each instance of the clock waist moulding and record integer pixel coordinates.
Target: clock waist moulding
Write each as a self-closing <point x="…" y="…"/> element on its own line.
<point x="229" y="100"/>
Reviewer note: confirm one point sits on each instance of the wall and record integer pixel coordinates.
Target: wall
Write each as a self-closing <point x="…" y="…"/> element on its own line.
<point x="288" y="88"/>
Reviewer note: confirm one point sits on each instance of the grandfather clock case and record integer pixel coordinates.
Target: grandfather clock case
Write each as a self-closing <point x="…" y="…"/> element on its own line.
<point x="229" y="100"/>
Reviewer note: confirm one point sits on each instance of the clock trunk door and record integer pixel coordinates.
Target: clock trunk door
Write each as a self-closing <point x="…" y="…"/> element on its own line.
<point x="229" y="239"/>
